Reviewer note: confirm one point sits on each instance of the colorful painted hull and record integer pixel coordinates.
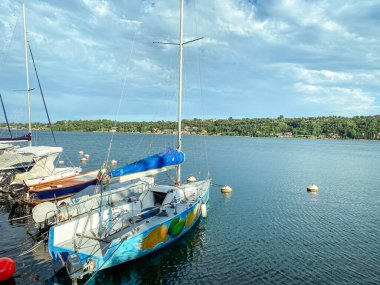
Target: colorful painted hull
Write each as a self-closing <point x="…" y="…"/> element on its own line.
<point x="141" y="244"/>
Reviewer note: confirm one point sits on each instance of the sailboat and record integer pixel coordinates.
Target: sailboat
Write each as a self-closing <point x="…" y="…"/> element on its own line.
<point x="10" y="161"/>
<point x="142" y="223"/>
<point x="34" y="166"/>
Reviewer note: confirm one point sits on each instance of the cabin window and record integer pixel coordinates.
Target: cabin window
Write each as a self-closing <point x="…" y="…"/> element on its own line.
<point x="158" y="198"/>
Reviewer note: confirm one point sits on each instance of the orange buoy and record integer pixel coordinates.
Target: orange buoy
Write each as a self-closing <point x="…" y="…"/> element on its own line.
<point x="7" y="268"/>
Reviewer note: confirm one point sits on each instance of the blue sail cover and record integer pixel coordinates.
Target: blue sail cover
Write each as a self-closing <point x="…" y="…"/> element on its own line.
<point x="156" y="161"/>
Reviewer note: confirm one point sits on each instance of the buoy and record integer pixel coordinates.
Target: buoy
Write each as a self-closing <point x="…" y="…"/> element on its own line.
<point x="81" y="152"/>
<point x="7" y="268"/>
<point x="191" y="179"/>
<point x="312" y="188"/>
<point x="226" y="189"/>
<point x="86" y="156"/>
<point x="113" y="162"/>
<point x="204" y="210"/>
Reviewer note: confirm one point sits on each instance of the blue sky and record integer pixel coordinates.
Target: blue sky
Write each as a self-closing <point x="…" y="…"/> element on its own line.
<point x="96" y="59"/>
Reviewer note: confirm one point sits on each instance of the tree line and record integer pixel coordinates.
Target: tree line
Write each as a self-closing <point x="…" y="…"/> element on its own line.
<point x="358" y="127"/>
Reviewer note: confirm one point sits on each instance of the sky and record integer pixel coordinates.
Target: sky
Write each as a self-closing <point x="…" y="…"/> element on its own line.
<point x="97" y="59"/>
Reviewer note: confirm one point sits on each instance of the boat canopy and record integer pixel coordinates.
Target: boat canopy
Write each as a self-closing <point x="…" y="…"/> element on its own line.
<point x="156" y="161"/>
<point x="5" y="146"/>
<point x="39" y="151"/>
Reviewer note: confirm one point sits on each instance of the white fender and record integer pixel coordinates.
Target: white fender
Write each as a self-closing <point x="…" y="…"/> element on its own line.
<point x="204" y="210"/>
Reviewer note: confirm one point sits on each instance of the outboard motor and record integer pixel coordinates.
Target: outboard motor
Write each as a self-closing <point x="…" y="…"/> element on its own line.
<point x="6" y="177"/>
<point x="17" y="190"/>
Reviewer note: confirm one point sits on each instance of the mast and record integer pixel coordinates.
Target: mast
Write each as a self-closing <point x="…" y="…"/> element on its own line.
<point x="27" y="74"/>
<point x="178" y="178"/>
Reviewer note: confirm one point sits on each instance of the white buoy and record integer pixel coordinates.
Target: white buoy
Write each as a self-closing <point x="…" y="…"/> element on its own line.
<point x="226" y="189"/>
<point x="86" y="156"/>
<point x="191" y="179"/>
<point x="113" y="162"/>
<point x="81" y="152"/>
<point x="312" y="188"/>
<point x="204" y="210"/>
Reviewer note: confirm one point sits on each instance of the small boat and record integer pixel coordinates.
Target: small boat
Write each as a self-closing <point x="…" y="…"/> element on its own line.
<point x="11" y="159"/>
<point x="138" y="226"/>
<point x="30" y="173"/>
<point x="43" y="168"/>
<point x="7" y="159"/>
<point x="121" y="231"/>
<point x="33" y="167"/>
<point x="61" y="188"/>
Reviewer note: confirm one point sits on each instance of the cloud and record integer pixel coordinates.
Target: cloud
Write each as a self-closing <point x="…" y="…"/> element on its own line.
<point x="344" y="101"/>
<point x="257" y="58"/>
<point x="98" y="7"/>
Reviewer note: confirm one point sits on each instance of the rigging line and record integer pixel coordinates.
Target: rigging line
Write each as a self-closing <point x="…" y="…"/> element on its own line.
<point x="42" y="94"/>
<point x="100" y="267"/>
<point x="7" y="48"/>
<point x="34" y="247"/>
<point x="122" y="94"/>
<point x="5" y="115"/>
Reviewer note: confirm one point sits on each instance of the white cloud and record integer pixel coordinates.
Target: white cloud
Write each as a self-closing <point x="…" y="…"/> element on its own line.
<point x="99" y="7"/>
<point x="343" y="101"/>
<point x="300" y="87"/>
<point x="239" y="18"/>
<point x="265" y="53"/>
<point x="321" y="76"/>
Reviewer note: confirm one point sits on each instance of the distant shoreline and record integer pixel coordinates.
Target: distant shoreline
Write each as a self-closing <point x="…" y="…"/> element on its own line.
<point x="208" y="135"/>
<point x="359" y="128"/>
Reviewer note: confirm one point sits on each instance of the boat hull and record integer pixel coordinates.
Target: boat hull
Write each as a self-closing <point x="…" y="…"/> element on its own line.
<point x="141" y="244"/>
<point x="61" y="193"/>
<point x="63" y="188"/>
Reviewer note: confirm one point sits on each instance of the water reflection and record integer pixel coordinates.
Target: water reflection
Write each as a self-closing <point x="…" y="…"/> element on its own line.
<point x="313" y="196"/>
<point x="17" y="211"/>
<point x="227" y="197"/>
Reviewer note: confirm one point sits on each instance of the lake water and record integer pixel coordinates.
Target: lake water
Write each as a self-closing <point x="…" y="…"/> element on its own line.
<point x="269" y="231"/>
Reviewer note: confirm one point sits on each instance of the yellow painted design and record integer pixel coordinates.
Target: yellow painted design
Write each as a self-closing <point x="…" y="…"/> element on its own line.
<point x="156" y="236"/>
<point x="191" y="216"/>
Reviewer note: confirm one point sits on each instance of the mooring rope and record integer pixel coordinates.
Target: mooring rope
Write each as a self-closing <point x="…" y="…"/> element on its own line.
<point x="32" y="248"/>
<point x="16" y="219"/>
